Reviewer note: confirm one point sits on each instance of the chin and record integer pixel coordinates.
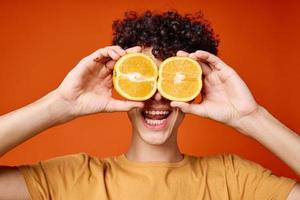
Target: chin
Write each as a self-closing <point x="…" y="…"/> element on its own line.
<point x="155" y="124"/>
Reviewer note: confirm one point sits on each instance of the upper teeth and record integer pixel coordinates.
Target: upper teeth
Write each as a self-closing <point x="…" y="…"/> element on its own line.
<point x="156" y="112"/>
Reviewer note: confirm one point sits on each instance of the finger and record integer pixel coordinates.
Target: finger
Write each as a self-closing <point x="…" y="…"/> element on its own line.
<point x="193" y="56"/>
<point x="134" y="49"/>
<point x="119" y="50"/>
<point x="101" y="59"/>
<point x="205" y="68"/>
<point x="211" y="59"/>
<point x="104" y="55"/>
<point x="196" y="109"/>
<point x="119" y="105"/>
<point x="182" y="53"/>
<point x="108" y="82"/>
<point x="185" y="107"/>
<point x="110" y="64"/>
<point x="94" y="63"/>
<point x="107" y="69"/>
<point x="107" y="79"/>
<point x="113" y="54"/>
<point x="99" y="54"/>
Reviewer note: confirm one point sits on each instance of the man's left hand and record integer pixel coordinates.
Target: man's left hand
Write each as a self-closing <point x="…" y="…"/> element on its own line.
<point x="225" y="96"/>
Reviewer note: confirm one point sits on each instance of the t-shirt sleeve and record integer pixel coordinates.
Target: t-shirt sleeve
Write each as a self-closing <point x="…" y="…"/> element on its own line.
<point x="51" y="179"/>
<point x="256" y="182"/>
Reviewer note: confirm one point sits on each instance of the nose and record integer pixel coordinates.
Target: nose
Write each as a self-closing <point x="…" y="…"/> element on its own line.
<point x="157" y="96"/>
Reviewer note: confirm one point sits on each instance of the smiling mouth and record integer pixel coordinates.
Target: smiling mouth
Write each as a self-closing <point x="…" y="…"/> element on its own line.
<point x="156" y="119"/>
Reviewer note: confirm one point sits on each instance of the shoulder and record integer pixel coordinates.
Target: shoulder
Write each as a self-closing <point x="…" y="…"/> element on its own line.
<point x="65" y="164"/>
<point x="72" y="159"/>
<point x="244" y="177"/>
<point x="61" y="168"/>
<point x="58" y="176"/>
<point x="224" y="158"/>
<point x="228" y="162"/>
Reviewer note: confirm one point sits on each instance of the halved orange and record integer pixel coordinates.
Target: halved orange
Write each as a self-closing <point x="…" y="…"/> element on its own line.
<point x="180" y="79"/>
<point x="135" y="76"/>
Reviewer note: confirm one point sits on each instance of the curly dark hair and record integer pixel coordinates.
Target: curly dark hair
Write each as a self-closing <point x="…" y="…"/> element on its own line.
<point x="166" y="32"/>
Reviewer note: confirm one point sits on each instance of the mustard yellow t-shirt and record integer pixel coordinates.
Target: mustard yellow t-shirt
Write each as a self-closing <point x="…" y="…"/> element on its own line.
<point x="83" y="177"/>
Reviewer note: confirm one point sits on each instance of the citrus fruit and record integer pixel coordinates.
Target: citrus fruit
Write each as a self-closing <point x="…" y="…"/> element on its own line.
<point x="135" y="76"/>
<point x="179" y="79"/>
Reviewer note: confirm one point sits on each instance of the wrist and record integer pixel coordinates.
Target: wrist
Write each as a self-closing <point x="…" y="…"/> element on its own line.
<point x="59" y="109"/>
<point x="249" y="124"/>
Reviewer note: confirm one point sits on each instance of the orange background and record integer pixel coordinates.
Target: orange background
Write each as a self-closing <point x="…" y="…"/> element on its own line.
<point x="41" y="42"/>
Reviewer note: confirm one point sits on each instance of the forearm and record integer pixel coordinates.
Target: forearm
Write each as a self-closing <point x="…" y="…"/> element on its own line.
<point x="282" y="141"/>
<point x="24" y="123"/>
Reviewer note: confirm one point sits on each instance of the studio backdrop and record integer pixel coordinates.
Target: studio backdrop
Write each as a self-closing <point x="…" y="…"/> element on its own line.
<point x="40" y="42"/>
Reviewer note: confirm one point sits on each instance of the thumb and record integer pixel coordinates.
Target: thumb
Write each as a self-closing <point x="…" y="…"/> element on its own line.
<point x="119" y="105"/>
<point x="196" y="109"/>
<point x="184" y="107"/>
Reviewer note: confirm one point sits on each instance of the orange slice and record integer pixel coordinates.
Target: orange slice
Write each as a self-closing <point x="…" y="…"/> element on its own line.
<point x="179" y="79"/>
<point x="135" y="76"/>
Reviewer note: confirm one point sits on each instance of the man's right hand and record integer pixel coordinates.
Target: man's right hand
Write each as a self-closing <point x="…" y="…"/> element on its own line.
<point x="88" y="86"/>
<point x="86" y="89"/>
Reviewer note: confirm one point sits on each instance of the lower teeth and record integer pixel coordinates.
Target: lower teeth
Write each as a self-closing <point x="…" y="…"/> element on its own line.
<point x="154" y="121"/>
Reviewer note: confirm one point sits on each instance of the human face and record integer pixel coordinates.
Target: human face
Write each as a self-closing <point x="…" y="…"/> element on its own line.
<point x="157" y="122"/>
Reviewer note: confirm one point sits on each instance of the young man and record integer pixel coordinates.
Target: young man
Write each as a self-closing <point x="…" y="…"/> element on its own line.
<point x="153" y="167"/>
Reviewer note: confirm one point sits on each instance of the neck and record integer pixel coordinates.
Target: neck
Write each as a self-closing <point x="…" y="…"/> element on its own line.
<point x="141" y="151"/>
